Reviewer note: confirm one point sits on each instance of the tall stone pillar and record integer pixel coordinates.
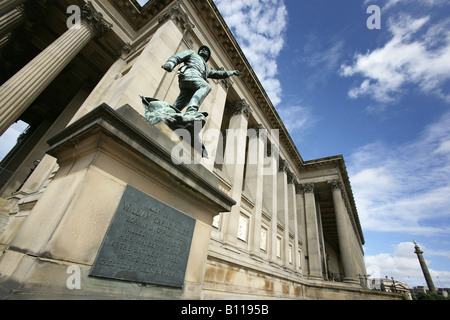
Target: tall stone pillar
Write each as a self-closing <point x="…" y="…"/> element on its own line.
<point x="283" y="210"/>
<point x="10" y="20"/>
<point x="344" y="228"/>
<point x="26" y="85"/>
<point x="211" y="132"/>
<point x="423" y="265"/>
<point x="234" y="161"/>
<point x="301" y="224"/>
<point x="8" y="5"/>
<point x="270" y="196"/>
<point x="255" y="162"/>
<point x="312" y="233"/>
<point x="293" y="225"/>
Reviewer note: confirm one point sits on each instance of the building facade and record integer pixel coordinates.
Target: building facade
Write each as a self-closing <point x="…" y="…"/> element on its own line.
<point x="268" y="223"/>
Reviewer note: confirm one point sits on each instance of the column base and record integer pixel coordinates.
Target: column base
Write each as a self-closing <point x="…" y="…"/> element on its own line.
<point x="351" y="280"/>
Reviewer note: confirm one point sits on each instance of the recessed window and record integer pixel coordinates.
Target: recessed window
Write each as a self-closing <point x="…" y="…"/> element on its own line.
<point x="243" y="227"/>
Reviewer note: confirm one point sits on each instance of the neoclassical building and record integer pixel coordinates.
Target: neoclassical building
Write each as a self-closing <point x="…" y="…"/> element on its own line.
<point x="97" y="204"/>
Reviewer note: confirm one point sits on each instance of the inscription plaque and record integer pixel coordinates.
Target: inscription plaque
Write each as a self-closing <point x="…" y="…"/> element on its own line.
<point x="147" y="241"/>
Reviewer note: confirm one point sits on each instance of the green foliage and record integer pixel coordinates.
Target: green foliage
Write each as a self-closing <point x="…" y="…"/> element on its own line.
<point x="430" y="296"/>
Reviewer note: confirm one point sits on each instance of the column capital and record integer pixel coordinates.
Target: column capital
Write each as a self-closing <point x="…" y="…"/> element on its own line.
<point x="291" y="178"/>
<point x="273" y="152"/>
<point x="226" y="83"/>
<point x="335" y="184"/>
<point x="94" y="20"/>
<point x="243" y="108"/>
<point x="298" y="188"/>
<point x="282" y="165"/>
<point x="261" y="132"/>
<point x="177" y="15"/>
<point x="308" y="187"/>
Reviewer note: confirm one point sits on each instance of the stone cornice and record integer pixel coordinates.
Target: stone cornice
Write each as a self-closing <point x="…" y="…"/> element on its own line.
<point x="139" y="18"/>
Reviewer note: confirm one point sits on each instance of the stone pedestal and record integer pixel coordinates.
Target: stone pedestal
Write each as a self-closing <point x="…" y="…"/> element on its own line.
<point x="100" y="155"/>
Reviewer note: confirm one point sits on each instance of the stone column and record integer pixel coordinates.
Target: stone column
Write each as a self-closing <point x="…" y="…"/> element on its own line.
<point x="283" y="210"/>
<point x="8" y="5"/>
<point x="312" y="233"/>
<point x="423" y="265"/>
<point x="255" y="162"/>
<point x="292" y="207"/>
<point x="300" y="206"/>
<point x="270" y="196"/>
<point x="344" y="228"/>
<point x="10" y="20"/>
<point x="26" y="85"/>
<point x="234" y="161"/>
<point x="211" y="132"/>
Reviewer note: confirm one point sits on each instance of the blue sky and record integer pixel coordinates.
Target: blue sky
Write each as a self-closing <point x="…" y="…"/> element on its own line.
<point x="380" y="97"/>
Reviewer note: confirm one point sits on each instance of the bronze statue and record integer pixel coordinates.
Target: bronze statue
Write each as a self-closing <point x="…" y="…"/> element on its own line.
<point x="192" y="77"/>
<point x="193" y="90"/>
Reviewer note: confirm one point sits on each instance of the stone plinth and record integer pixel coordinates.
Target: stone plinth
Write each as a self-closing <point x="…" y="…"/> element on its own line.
<point x="99" y="156"/>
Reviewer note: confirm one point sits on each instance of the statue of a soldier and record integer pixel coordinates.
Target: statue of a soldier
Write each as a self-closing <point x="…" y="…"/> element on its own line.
<point x="192" y="77"/>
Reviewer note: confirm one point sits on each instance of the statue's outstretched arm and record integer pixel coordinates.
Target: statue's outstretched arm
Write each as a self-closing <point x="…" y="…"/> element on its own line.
<point x="175" y="60"/>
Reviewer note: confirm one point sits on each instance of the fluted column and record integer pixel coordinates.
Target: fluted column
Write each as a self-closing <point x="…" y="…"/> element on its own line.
<point x="344" y="228"/>
<point x="10" y="20"/>
<point x="312" y="233"/>
<point x="8" y="5"/>
<point x="234" y="161"/>
<point x="26" y="85"/>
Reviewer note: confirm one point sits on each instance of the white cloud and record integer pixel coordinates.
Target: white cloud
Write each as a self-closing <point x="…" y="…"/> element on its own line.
<point x="404" y="189"/>
<point x="392" y="3"/>
<point x="297" y="118"/>
<point x="403" y="265"/>
<point x="259" y="27"/>
<point x="417" y="54"/>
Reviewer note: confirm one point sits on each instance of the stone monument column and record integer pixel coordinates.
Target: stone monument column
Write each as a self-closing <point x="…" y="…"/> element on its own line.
<point x="312" y="231"/>
<point x="343" y="232"/>
<point x="424" y="267"/>
<point x="26" y="85"/>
